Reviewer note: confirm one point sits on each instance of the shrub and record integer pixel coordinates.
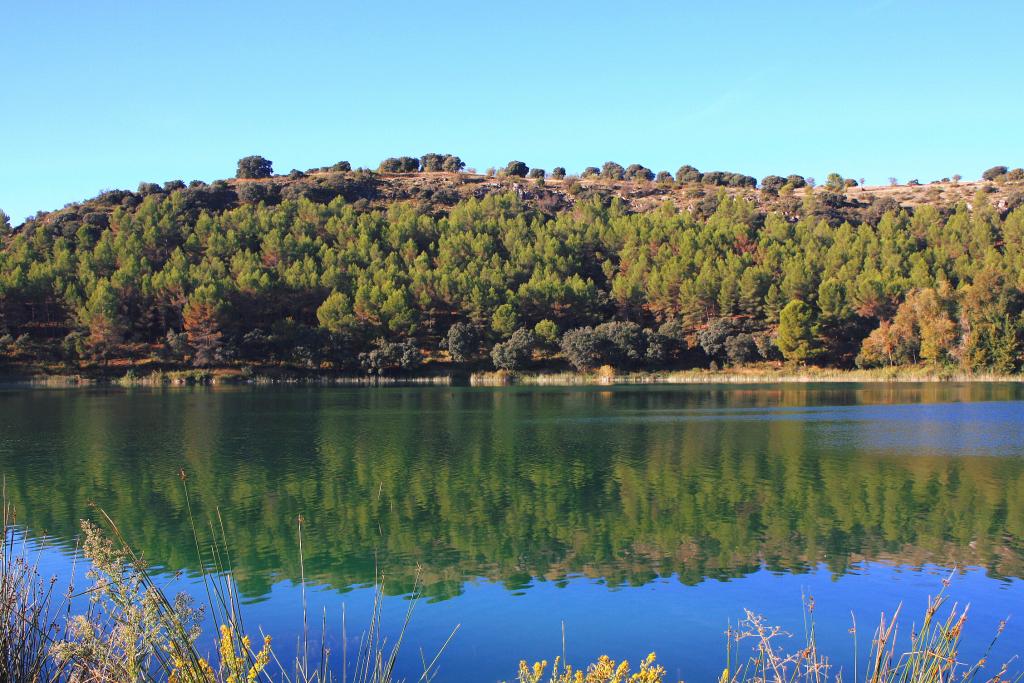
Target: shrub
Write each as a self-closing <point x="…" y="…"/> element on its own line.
<point x="431" y="163"/>
<point x="994" y="173"/>
<point x="391" y="357"/>
<point x="590" y="172"/>
<point x="617" y="343"/>
<point x="582" y="348"/>
<point x="536" y="173"/>
<point x="558" y="173"/>
<point x="834" y="182"/>
<point x="254" y="166"/>
<point x="435" y="163"/>
<point x="146" y="189"/>
<point x="672" y="337"/>
<point x="688" y="174"/>
<point x="658" y="347"/>
<point x="741" y="348"/>
<point x="463" y="342"/>
<point x="516" y="353"/>
<point x="623" y="343"/>
<point x="663" y="178"/>
<point x="516" y="169"/>
<point x="773" y="183"/>
<point x="173" y="185"/>
<point x="342" y="167"/>
<point x="795" y="338"/>
<point x="713" y="337"/>
<point x="612" y="171"/>
<point x="254" y="193"/>
<point x="504" y="320"/>
<point x="639" y="172"/>
<point x="740" y="180"/>
<point x="546" y="331"/>
<point x="452" y="164"/>
<point x="399" y="165"/>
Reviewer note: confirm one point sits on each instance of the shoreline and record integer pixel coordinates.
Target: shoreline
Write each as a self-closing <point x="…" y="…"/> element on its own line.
<point x="606" y="376"/>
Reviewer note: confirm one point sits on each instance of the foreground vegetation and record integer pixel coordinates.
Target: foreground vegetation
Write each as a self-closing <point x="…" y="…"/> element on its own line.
<point x="133" y="631"/>
<point x="325" y="271"/>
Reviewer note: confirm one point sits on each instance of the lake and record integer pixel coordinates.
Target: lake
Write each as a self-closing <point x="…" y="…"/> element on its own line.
<point x="639" y="517"/>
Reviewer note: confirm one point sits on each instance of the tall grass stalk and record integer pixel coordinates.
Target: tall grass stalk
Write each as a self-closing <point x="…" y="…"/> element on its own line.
<point x="131" y="631"/>
<point x="29" y="615"/>
<point x="757" y="652"/>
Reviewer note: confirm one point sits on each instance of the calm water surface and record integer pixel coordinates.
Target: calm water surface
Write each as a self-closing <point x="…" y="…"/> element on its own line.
<point x="644" y="518"/>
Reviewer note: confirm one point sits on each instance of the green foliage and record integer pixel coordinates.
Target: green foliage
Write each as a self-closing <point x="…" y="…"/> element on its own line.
<point x="994" y="173"/>
<point x="612" y="171"/>
<point x="546" y="331"/>
<point x="741" y="348"/>
<point x="399" y="165"/>
<point x="688" y="174"/>
<point x="254" y="166"/>
<point x="300" y="275"/>
<point x="434" y="163"/>
<point x="795" y="338"/>
<point x="504" y="320"/>
<point x="462" y="342"/>
<point x="639" y="172"/>
<point x="516" y="169"/>
<point x="201" y="317"/>
<point x="102" y="318"/>
<point x="452" y="164"/>
<point x="254" y="193"/>
<point x="715" y="338"/>
<point x="772" y="183"/>
<point x="515" y="353"/>
<point x="727" y="179"/>
<point x="623" y="343"/>
<point x="335" y="313"/>
<point x="582" y="347"/>
<point x="389" y="358"/>
<point x="558" y="172"/>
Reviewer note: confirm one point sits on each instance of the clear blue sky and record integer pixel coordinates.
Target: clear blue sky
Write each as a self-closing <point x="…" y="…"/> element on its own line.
<point x="98" y="94"/>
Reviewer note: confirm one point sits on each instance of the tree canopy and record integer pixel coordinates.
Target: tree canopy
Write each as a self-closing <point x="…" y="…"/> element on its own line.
<point x="306" y="273"/>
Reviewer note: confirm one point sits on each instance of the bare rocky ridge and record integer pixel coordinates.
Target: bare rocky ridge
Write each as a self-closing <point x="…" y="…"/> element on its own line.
<point x="437" y="191"/>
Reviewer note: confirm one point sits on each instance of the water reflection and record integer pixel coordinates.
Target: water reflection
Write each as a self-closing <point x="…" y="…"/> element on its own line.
<point x="625" y="484"/>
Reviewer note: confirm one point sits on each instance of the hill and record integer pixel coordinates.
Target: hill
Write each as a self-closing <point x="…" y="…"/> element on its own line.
<point x="335" y="270"/>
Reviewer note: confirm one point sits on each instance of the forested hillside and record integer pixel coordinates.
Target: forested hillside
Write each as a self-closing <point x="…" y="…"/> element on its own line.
<point x="423" y="263"/>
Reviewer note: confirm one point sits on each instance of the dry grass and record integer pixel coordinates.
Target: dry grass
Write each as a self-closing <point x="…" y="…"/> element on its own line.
<point x="763" y="373"/>
<point x="132" y="631"/>
<point x="758" y="652"/>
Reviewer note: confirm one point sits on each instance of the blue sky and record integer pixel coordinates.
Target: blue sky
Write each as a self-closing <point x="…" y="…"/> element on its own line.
<point x="97" y="95"/>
